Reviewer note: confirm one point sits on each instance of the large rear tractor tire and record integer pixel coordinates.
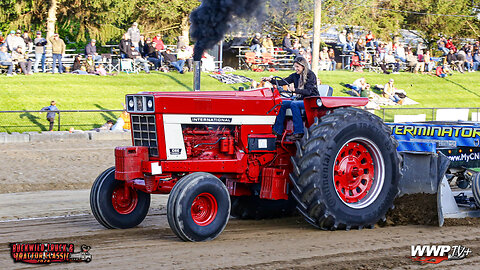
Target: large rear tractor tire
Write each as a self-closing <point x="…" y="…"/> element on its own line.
<point x="115" y="206"/>
<point x="252" y="207"/>
<point x="346" y="171"/>
<point x="198" y="207"/>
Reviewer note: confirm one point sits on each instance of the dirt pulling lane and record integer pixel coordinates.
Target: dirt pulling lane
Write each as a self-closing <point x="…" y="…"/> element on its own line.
<point x="268" y="244"/>
<point x="271" y="244"/>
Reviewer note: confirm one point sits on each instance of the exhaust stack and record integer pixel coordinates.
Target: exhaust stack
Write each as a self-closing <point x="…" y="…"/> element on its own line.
<point x="197" y="70"/>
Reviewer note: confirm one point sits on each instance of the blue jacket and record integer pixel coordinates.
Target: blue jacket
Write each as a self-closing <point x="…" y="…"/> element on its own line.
<point x="5" y="57"/>
<point x="51" y="109"/>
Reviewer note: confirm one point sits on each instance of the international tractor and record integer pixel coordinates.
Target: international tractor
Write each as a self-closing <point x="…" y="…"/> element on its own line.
<point x="215" y="154"/>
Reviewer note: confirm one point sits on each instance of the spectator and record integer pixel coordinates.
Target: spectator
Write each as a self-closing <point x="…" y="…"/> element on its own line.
<point x="152" y="54"/>
<point x="381" y="51"/>
<point x="181" y="40"/>
<point x="331" y="56"/>
<point x="305" y="41"/>
<point x="469" y="62"/>
<point x="77" y="63"/>
<point x="476" y="60"/>
<point x="208" y="62"/>
<point x="389" y="91"/>
<point x="91" y="49"/>
<point x="256" y="46"/>
<point x="441" y="45"/>
<point x="28" y="41"/>
<point x="40" y="52"/>
<point x="443" y="71"/>
<point x="58" y="50"/>
<point x="138" y="59"/>
<point x="52" y="110"/>
<point x="21" y="57"/>
<point x="429" y="63"/>
<point x="171" y="59"/>
<point x="324" y="59"/>
<point x="15" y="40"/>
<point x="125" y="45"/>
<point x="90" y="64"/>
<point x="134" y="34"/>
<point x="307" y="55"/>
<point x="296" y="44"/>
<point x="107" y="126"/>
<point x="450" y="45"/>
<point x="267" y="43"/>
<point x="123" y="122"/>
<point x="287" y="45"/>
<point x="452" y="61"/>
<point x="351" y="43"/>
<point x="101" y="71"/>
<point x="6" y="60"/>
<point x="358" y="86"/>
<point x="370" y="40"/>
<point x="390" y="60"/>
<point x="141" y="46"/>
<point x="360" y="50"/>
<point x="412" y="62"/>
<point x="342" y="41"/>
<point x="2" y="39"/>
<point x="461" y="58"/>
<point x="159" y="46"/>
<point x="400" y="53"/>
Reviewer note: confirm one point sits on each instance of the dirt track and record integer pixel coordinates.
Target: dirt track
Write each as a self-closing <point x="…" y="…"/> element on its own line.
<point x="63" y="216"/>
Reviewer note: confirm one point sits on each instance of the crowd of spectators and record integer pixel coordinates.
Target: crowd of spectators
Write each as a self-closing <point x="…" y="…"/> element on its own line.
<point x="19" y="52"/>
<point x="395" y="55"/>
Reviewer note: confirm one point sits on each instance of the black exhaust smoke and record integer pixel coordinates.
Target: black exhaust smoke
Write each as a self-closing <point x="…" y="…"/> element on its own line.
<point x="211" y="20"/>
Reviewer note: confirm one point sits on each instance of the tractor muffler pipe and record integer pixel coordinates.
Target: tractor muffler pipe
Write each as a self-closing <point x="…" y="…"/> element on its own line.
<point x="197" y="70"/>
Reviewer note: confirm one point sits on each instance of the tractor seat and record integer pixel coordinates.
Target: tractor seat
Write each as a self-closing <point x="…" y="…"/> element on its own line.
<point x="324" y="90"/>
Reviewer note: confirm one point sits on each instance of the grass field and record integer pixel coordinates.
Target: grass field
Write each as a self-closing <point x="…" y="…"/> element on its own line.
<point x="76" y="92"/>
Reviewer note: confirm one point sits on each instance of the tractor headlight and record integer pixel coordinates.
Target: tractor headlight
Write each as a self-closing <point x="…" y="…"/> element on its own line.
<point x="319" y="102"/>
<point x="130" y="104"/>
<point x="150" y="104"/>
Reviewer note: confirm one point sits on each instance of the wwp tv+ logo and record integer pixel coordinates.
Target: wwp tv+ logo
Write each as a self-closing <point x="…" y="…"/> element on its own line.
<point x="438" y="253"/>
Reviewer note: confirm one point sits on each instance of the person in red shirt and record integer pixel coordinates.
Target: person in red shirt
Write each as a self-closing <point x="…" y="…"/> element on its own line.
<point x="159" y="42"/>
<point x="450" y="45"/>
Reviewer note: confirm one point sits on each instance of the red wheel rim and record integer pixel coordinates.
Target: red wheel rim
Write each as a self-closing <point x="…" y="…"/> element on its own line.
<point x="204" y="209"/>
<point x="124" y="200"/>
<point x="353" y="172"/>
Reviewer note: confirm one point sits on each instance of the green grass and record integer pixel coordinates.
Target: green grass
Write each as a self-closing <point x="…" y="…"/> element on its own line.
<point x="76" y="92"/>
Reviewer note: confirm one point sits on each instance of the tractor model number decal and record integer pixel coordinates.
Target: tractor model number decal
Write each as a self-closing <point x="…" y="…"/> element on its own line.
<point x="211" y="119"/>
<point x="175" y="151"/>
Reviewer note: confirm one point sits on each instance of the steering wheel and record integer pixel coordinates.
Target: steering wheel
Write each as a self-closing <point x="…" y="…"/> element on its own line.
<point x="283" y="93"/>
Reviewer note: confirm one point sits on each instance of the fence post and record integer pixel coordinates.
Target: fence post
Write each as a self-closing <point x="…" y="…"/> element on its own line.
<point x="58" y="121"/>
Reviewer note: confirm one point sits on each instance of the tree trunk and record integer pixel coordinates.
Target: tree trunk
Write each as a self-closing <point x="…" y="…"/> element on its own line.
<point x="52" y="18"/>
<point x="186" y="29"/>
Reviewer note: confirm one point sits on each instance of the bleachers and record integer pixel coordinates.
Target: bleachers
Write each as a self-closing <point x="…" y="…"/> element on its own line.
<point x="280" y="59"/>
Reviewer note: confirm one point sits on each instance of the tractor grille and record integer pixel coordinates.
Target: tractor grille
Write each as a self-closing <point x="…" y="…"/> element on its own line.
<point x="144" y="132"/>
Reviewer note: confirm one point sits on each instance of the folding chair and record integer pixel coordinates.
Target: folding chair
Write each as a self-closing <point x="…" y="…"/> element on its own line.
<point x="356" y="64"/>
<point x="128" y="66"/>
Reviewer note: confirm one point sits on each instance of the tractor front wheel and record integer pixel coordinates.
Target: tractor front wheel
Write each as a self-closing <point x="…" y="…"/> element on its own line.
<point x="116" y="206"/>
<point x="198" y="207"/>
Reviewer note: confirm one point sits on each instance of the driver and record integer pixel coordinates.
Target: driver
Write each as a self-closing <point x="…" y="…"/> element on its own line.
<point x="305" y="85"/>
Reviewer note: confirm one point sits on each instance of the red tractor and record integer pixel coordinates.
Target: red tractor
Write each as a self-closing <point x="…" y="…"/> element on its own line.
<point x="215" y="153"/>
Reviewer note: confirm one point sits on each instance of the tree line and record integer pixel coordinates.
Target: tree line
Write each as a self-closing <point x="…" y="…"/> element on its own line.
<point x="107" y="20"/>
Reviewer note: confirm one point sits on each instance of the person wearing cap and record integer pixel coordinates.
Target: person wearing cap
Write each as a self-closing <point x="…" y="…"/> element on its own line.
<point x="58" y="50"/>
<point x="134" y="34"/>
<point x="28" y="41"/>
<point x="40" y="53"/>
<point x="52" y="110"/>
<point x="21" y="57"/>
<point x="256" y="46"/>
<point x="91" y="49"/>
<point x="171" y="59"/>
<point x="6" y="60"/>
<point x="15" y="40"/>
<point x="389" y="91"/>
<point x="304" y="85"/>
<point x="135" y="55"/>
<point x="152" y="54"/>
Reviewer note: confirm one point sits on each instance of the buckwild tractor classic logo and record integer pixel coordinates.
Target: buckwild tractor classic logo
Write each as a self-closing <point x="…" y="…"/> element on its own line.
<point x="45" y="253"/>
<point x="438" y="253"/>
